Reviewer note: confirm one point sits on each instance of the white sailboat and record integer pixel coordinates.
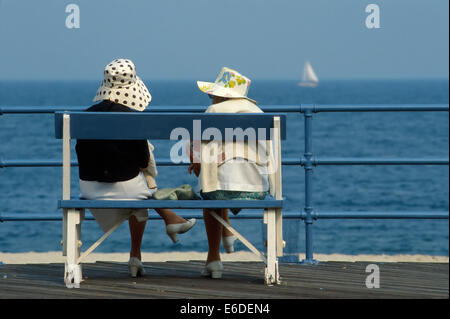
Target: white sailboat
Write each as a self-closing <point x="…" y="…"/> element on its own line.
<point x="309" y="77"/>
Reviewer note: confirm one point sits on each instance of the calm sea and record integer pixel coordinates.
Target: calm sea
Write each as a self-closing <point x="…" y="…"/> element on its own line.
<point x="356" y="188"/>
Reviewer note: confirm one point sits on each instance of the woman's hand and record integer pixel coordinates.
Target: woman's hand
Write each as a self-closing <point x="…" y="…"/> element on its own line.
<point x="194" y="167"/>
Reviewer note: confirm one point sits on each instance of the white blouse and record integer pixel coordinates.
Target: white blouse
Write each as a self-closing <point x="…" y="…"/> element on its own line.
<point x="242" y="175"/>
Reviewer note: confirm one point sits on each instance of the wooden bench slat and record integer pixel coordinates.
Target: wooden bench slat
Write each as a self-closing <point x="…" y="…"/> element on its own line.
<point x="174" y="204"/>
<point x="126" y="126"/>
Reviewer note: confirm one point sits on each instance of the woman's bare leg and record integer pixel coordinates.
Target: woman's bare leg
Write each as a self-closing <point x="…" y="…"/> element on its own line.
<point x="137" y="232"/>
<point x="214" y="233"/>
<point x="225" y="231"/>
<point x="169" y="216"/>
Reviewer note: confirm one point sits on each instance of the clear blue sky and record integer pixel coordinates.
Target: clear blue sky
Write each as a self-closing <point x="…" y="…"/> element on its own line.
<point x="264" y="39"/>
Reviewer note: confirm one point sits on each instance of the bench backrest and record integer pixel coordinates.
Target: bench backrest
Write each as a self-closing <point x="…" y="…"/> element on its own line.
<point x="161" y="126"/>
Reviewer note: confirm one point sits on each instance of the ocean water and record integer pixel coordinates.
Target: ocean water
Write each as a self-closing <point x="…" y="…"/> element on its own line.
<point x="25" y="191"/>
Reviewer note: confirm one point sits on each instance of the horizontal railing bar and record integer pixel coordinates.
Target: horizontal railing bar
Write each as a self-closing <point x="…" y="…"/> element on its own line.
<point x="155" y="109"/>
<point x="377" y="108"/>
<point x="287" y="161"/>
<point x="380" y="161"/>
<point x="33" y="163"/>
<point x="38" y="109"/>
<point x="378" y="215"/>
<point x="248" y="215"/>
<point x="265" y="108"/>
<point x="201" y="109"/>
<point x="242" y="215"/>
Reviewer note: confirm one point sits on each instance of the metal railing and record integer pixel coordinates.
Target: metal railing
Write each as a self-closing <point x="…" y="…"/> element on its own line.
<point x="308" y="161"/>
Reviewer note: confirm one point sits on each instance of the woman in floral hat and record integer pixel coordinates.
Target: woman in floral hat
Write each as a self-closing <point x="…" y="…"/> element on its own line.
<point x="233" y="177"/>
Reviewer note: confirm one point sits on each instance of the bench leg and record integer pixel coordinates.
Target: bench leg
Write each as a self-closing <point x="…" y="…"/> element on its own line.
<point x="271" y="272"/>
<point x="279" y="228"/>
<point x="72" y="271"/>
<point x="64" y="233"/>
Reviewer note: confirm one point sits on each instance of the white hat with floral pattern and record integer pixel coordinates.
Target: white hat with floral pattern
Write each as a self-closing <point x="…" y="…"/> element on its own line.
<point x="229" y="83"/>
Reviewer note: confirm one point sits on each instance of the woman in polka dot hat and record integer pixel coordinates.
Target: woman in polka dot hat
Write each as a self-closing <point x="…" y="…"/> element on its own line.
<point x="122" y="85"/>
<point x="114" y="169"/>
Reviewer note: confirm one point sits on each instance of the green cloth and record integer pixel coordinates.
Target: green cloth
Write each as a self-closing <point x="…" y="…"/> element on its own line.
<point x="184" y="192"/>
<point x="233" y="195"/>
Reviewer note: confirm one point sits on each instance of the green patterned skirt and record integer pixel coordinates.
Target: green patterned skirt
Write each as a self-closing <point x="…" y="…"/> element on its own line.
<point x="233" y="195"/>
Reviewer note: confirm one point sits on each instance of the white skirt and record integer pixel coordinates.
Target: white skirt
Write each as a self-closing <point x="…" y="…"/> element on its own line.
<point x="135" y="188"/>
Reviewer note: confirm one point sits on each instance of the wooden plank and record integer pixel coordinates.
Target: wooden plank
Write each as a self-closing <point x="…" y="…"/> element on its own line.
<point x="174" y="204"/>
<point x="240" y="280"/>
<point x="133" y="125"/>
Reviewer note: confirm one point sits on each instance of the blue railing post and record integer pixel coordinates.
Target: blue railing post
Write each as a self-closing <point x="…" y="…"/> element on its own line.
<point x="308" y="166"/>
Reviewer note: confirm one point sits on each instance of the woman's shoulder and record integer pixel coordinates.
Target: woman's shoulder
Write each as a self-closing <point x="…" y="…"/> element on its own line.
<point x="234" y="106"/>
<point x="108" y="106"/>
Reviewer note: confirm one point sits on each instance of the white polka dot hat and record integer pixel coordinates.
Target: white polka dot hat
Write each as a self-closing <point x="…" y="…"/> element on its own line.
<point x="121" y="85"/>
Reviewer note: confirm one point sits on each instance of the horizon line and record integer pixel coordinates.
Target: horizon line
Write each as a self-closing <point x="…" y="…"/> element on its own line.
<point x="253" y="80"/>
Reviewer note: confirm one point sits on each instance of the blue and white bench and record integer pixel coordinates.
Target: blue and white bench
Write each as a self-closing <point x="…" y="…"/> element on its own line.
<point x="129" y="126"/>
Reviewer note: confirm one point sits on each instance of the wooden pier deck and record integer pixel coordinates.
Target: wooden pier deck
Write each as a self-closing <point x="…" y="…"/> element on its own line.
<point x="241" y="280"/>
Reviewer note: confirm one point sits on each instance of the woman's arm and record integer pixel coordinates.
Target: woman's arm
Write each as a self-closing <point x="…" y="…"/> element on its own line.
<point x="195" y="166"/>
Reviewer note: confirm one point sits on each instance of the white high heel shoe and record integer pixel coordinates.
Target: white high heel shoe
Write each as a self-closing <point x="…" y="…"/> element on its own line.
<point x="173" y="229"/>
<point x="136" y="267"/>
<point x="213" y="269"/>
<point x="228" y="243"/>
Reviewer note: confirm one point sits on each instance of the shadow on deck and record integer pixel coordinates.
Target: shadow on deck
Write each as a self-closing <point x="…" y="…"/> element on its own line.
<point x="242" y="280"/>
